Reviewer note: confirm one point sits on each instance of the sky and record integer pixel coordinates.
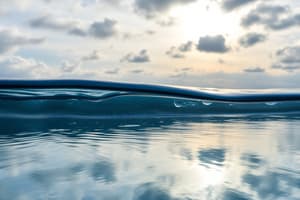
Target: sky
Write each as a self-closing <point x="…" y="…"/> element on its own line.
<point x="202" y="43"/>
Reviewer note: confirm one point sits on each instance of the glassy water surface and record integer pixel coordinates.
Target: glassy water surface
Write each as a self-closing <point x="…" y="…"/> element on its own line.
<point x="141" y="159"/>
<point x="146" y="148"/>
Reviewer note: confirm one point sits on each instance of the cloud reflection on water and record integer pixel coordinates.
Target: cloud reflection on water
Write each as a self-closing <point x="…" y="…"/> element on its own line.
<point x="165" y="159"/>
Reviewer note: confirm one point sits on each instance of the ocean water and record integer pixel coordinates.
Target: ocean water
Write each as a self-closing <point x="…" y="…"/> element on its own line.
<point x="70" y="140"/>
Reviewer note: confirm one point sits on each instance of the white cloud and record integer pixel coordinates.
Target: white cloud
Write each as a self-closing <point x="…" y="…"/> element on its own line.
<point x="19" y="67"/>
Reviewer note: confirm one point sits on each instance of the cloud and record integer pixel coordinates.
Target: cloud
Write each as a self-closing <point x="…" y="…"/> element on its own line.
<point x="174" y="53"/>
<point x="288" y="59"/>
<point x="49" y="22"/>
<point x="181" y="73"/>
<point x="78" y="32"/>
<point x="93" y="56"/>
<point x="12" y="38"/>
<point x="177" y="52"/>
<point x="103" y="29"/>
<point x="150" y="32"/>
<point x="99" y="29"/>
<point x="151" y="8"/>
<point x="254" y="70"/>
<point x="274" y="17"/>
<point x="221" y="61"/>
<point x="141" y="57"/>
<point x="7" y="6"/>
<point x="230" y="5"/>
<point x="112" y="71"/>
<point x="137" y="71"/>
<point x="170" y="21"/>
<point x="185" y="47"/>
<point x="251" y="39"/>
<point x="68" y="67"/>
<point x="19" y="67"/>
<point x="212" y="44"/>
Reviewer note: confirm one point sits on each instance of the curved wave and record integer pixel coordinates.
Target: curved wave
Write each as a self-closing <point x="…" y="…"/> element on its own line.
<point x="44" y="98"/>
<point x="181" y="92"/>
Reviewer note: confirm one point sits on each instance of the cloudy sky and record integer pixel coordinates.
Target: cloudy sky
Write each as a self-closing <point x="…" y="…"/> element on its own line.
<point x="204" y="43"/>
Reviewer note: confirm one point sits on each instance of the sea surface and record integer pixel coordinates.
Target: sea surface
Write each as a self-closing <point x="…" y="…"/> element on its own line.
<point x="86" y="144"/>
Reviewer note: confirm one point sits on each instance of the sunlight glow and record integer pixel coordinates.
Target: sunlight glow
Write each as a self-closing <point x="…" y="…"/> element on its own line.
<point x="198" y="20"/>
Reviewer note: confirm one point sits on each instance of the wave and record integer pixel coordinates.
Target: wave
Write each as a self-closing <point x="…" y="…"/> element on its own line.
<point x="113" y="99"/>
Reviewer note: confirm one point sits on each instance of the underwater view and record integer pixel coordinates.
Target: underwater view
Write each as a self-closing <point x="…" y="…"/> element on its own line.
<point x="61" y="140"/>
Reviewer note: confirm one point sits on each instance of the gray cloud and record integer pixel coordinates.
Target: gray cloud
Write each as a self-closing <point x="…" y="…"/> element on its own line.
<point x="185" y="47"/>
<point x="177" y="52"/>
<point x="93" y="56"/>
<point x="11" y="39"/>
<point x="288" y="59"/>
<point x="181" y="73"/>
<point x="150" y="8"/>
<point x="150" y="32"/>
<point x="212" y="44"/>
<point x="254" y="70"/>
<point x="78" y="32"/>
<point x="49" y="22"/>
<point x="174" y="53"/>
<point x="221" y="61"/>
<point x="141" y="57"/>
<point x="274" y="17"/>
<point x="137" y="71"/>
<point x="103" y="29"/>
<point x="86" y="3"/>
<point x="251" y="39"/>
<point x="230" y="5"/>
<point x="112" y="71"/>
<point x="68" y="66"/>
<point x="100" y="29"/>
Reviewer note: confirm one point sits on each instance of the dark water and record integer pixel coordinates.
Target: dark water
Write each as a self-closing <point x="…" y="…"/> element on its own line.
<point x="73" y="144"/>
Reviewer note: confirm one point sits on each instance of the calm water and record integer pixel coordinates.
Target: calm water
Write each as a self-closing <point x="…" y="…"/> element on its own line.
<point x="250" y="157"/>
<point x="76" y="144"/>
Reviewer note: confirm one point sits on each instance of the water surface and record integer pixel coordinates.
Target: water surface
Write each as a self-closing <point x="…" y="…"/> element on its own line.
<point x="118" y="145"/>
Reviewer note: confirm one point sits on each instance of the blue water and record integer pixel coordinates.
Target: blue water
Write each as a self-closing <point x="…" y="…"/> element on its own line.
<point x="81" y="140"/>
